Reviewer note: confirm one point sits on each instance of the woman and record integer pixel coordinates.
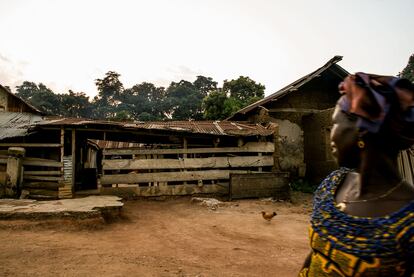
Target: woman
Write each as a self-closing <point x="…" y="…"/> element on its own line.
<point x="363" y="216"/>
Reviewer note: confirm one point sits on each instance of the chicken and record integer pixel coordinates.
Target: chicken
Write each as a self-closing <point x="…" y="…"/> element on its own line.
<point x="268" y="216"/>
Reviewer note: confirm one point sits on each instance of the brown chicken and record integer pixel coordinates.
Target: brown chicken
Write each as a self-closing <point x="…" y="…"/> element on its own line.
<point x="268" y="216"/>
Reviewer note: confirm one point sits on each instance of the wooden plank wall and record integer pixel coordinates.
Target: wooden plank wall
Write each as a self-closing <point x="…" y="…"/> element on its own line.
<point x="275" y="184"/>
<point x="406" y="164"/>
<point x="41" y="177"/>
<point x="153" y="172"/>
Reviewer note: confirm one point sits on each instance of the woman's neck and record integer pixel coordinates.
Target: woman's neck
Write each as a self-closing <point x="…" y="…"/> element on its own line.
<point x="378" y="172"/>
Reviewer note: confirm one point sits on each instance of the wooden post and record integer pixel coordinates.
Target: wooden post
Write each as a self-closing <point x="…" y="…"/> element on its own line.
<point x="14" y="171"/>
<point x="62" y="147"/>
<point x="216" y="142"/>
<point x="240" y="142"/>
<point x="64" y="191"/>
<point x="73" y="158"/>
<point x="276" y="153"/>
<point x="185" y="145"/>
<point x="260" y="169"/>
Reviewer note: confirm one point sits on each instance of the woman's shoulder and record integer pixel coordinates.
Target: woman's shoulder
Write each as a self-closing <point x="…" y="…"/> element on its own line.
<point x="329" y="185"/>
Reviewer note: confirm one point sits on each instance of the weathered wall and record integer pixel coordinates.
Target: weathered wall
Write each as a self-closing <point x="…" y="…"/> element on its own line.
<point x="317" y="148"/>
<point x="291" y="148"/>
<point x="299" y="155"/>
<point x="3" y="100"/>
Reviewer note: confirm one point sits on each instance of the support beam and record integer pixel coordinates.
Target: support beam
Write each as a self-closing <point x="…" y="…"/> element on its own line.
<point x="195" y="163"/>
<point x="169" y="176"/>
<point x="30" y="145"/>
<point x="73" y="157"/>
<point x="250" y="147"/>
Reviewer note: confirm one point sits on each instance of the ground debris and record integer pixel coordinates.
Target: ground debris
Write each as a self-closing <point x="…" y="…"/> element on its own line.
<point x="210" y="203"/>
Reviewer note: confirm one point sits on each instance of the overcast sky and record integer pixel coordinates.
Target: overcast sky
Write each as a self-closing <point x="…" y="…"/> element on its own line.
<point x="67" y="44"/>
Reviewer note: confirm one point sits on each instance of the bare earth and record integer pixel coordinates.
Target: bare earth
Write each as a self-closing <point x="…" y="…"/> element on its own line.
<point x="173" y="237"/>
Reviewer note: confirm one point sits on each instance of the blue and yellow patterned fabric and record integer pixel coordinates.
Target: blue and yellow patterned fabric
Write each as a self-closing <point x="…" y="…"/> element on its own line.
<point x="346" y="245"/>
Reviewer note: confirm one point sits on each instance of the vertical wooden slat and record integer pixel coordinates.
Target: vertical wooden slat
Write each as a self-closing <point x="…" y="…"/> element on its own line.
<point x="185" y="145"/>
<point x="73" y="157"/>
<point x="260" y="169"/>
<point x="276" y="152"/>
<point x="66" y="190"/>
<point x="62" y="147"/>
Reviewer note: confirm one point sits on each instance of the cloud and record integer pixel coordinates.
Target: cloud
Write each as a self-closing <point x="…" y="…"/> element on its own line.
<point x="182" y="72"/>
<point x="11" y="73"/>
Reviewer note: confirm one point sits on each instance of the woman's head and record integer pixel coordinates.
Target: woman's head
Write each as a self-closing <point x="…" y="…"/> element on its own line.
<point x="375" y="110"/>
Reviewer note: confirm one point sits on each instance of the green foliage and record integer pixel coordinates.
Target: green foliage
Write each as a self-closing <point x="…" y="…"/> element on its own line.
<point x="146" y="98"/>
<point x="110" y="87"/>
<point x="41" y="97"/>
<point x="408" y="71"/>
<point x="243" y="89"/>
<point x="303" y="186"/>
<point x="146" y="102"/>
<point x="183" y="101"/>
<point x="122" y="115"/>
<point x="235" y="95"/>
<point x="214" y="105"/>
<point x="205" y="85"/>
<point x="75" y="105"/>
<point x="109" y="93"/>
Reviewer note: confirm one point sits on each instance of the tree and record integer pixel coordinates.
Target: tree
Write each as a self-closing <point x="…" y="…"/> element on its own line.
<point x="143" y="102"/>
<point x="244" y="89"/>
<point x="41" y="97"/>
<point x="205" y="85"/>
<point x="75" y="105"/>
<point x="26" y="90"/>
<point x="214" y="105"/>
<point x="408" y="71"/>
<point x="183" y="101"/>
<point x="235" y="95"/>
<point x="110" y="90"/>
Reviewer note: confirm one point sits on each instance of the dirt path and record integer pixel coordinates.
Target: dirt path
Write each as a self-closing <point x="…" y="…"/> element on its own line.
<point x="163" y="238"/>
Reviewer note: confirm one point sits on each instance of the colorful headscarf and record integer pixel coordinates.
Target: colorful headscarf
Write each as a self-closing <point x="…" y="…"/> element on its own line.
<point x="370" y="97"/>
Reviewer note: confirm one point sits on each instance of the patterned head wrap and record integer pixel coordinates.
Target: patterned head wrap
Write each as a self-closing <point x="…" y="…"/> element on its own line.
<point x="371" y="97"/>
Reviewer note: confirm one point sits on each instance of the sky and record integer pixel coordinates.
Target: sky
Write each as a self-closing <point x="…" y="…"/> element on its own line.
<point x="67" y="44"/>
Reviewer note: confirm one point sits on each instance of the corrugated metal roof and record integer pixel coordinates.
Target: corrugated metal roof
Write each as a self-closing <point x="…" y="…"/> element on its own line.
<point x="293" y="86"/>
<point x="226" y="128"/>
<point x="17" y="124"/>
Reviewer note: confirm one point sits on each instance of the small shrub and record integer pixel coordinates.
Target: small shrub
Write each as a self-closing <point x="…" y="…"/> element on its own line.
<point x="303" y="186"/>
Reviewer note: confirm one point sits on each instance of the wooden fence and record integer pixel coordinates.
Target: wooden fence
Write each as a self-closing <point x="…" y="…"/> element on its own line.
<point x="40" y="178"/>
<point x="153" y="172"/>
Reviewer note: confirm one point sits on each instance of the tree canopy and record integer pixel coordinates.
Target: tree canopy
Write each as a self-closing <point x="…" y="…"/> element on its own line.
<point x="408" y="71"/>
<point x="183" y="100"/>
<point x="234" y="95"/>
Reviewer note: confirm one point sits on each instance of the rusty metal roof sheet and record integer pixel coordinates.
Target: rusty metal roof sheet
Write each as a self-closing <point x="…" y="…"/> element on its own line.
<point x="221" y="128"/>
<point x="294" y="86"/>
<point x="13" y="124"/>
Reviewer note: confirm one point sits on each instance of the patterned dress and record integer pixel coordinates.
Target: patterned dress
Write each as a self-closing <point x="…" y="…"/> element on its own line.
<point x="346" y="245"/>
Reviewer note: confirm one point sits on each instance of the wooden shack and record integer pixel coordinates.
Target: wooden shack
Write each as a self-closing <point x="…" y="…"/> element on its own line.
<point x="65" y="156"/>
<point x="302" y="111"/>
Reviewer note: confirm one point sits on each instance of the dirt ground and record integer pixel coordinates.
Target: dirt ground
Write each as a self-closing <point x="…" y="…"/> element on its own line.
<point x="174" y="237"/>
